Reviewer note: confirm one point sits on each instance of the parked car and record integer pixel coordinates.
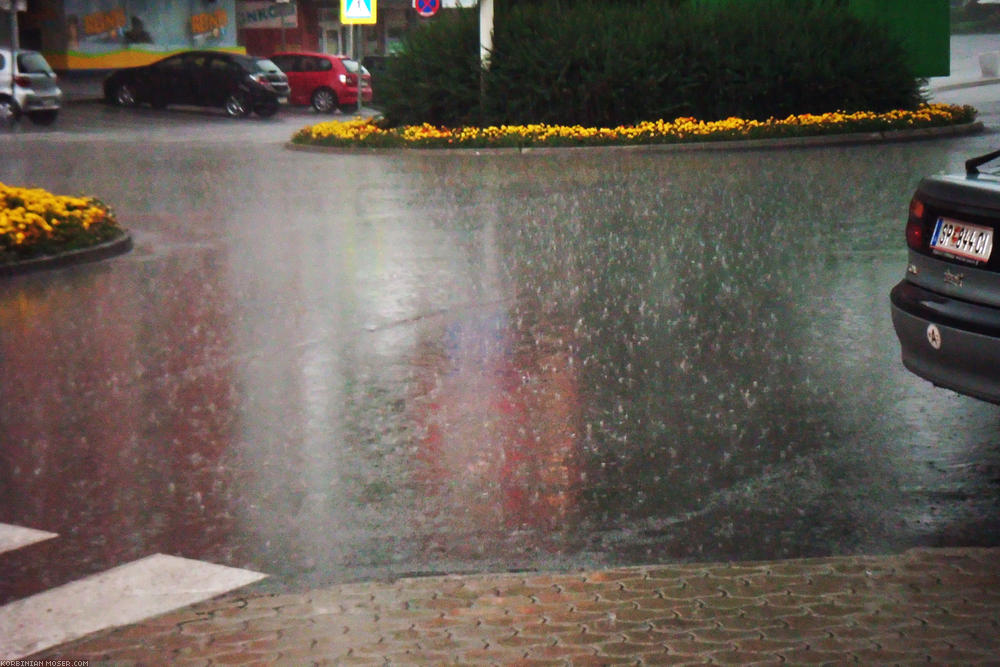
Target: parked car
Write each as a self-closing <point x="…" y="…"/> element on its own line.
<point x="237" y="83"/>
<point x="376" y="66"/>
<point x="324" y="81"/>
<point x="29" y="86"/>
<point x="946" y="311"/>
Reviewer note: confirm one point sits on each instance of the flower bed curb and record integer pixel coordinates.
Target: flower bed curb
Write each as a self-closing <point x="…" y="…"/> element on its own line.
<point x="112" y="248"/>
<point x="813" y="141"/>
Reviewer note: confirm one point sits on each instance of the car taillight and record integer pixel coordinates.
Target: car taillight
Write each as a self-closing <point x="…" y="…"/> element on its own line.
<point x="23" y="81"/>
<point x="261" y="79"/>
<point x="915" y="224"/>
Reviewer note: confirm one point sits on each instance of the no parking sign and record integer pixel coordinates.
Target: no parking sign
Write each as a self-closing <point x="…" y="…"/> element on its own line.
<point x="427" y="8"/>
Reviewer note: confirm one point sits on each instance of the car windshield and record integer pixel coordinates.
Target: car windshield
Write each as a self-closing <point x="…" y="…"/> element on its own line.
<point x="266" y="66"/>
<point x="32" y="63"/>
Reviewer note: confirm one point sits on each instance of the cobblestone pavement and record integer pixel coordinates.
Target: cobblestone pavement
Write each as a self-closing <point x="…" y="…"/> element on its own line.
<point x="939" y="606"/>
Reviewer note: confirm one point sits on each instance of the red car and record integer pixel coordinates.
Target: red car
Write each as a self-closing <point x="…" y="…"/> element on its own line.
<point x="325" y="81"/>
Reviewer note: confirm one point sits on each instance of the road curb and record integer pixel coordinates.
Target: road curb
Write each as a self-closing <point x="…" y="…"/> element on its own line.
<point x="785" y="143"/>
<point x="962" y="85"/>
<point x="95" y="253"/>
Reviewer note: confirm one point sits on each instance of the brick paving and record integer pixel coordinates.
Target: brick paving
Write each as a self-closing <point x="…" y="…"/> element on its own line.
<point x="938" y="606"/>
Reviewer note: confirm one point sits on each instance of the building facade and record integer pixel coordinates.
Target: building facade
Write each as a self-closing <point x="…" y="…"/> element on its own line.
<point x="108" y="34"/>
<point x="105" y="34"/>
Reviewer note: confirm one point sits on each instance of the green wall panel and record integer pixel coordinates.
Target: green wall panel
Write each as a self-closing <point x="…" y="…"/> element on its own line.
<point x="922" y="26"/>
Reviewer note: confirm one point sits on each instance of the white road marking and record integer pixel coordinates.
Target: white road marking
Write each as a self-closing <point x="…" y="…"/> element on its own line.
<point x="122" y="595"/>
<point x="15" y="537"/>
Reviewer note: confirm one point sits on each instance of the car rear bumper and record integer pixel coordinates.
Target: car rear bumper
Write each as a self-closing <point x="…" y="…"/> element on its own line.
<point x="42" y="102"/>
<point x="952" y="343"/>
<point x="350" y="96"/>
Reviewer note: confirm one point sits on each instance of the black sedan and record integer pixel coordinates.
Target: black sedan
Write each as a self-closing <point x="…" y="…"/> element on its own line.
<point x="237" y="83"/>
<point x="946" y="311"/>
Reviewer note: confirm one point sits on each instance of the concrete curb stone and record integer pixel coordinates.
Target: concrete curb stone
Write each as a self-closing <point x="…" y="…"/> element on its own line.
<point x="108" y="249"/>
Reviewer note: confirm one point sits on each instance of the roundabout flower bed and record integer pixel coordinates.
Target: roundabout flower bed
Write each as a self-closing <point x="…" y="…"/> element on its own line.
<point x="35" y="223"/>
<point x="371" y="133"/>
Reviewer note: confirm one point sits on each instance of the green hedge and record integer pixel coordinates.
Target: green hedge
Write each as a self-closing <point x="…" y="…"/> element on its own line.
<point x="436" y="78"/>
<point x="603" y="64"/>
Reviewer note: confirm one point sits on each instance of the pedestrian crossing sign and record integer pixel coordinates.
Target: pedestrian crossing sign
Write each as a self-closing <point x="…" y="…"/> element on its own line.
<point x="357" y="11"/>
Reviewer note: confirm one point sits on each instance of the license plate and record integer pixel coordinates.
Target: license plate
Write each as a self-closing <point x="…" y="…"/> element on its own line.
<point x="961" y="239"/>
<point x="282" y="100"/>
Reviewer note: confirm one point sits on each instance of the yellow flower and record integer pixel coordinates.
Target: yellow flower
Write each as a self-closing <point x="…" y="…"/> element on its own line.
<point x="359" y="130"/>
<point x="31" y="215"/>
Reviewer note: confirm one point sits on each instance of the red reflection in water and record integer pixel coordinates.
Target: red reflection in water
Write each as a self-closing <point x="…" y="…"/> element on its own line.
<point x="500" y="423"/>
<point x="113" y="424"/>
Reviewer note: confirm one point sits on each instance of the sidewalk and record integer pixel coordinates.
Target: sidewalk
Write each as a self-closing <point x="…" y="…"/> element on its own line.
<point x="966" y="71"/>
<point x="939" y="606"/>
<point x="82" y="86"/>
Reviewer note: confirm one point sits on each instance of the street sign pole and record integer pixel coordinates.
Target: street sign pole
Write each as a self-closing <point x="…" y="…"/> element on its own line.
<point x="485" y="32"/>
<point x="361" y="57"/>
<point x="358" y="13"/>
<point x="13" y="7"/>
<point x="281" y="10"/>
<point x="485" y="45"/>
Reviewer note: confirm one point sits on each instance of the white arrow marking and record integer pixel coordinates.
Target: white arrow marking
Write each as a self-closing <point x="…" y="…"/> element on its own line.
<point x="15" y="537"/>
<point x="122" y="595"/>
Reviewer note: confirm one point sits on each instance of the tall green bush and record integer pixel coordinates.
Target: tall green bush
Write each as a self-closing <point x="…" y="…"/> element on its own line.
<point x="436" y="76"/>
<point x="598" y="63"/>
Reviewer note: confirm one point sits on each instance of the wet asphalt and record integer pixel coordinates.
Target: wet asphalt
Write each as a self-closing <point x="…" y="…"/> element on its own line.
<point x="363" y="368"/>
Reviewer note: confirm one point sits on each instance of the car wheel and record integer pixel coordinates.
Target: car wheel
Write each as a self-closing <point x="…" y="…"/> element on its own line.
<point x="9" y="111"/>
<point x="43" y="117"/>
<point x="324" y="100"/>
<point x="237" y="105"/>
<point x="125" y="95"/>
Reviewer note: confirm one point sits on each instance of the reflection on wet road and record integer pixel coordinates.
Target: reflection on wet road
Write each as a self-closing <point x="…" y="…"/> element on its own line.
<point x="330" y="367"/>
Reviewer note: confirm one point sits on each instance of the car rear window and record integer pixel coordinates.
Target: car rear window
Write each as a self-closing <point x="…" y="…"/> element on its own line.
<point x="266" y="66"/>
<point x="350" y="65"/>
<point x="32" y="63"/>
<point x="285" y="63"/>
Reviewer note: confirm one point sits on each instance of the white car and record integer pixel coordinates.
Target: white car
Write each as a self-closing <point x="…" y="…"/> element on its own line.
<point x="30" y="90"/>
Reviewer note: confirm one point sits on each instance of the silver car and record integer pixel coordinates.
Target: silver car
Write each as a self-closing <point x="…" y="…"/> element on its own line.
<point x="946" y="311"/>
<point x="27" y="86"/>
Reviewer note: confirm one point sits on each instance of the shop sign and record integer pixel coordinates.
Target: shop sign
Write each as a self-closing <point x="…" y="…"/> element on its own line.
<point x="209" y="24"/>
<point x="252" y="14"/>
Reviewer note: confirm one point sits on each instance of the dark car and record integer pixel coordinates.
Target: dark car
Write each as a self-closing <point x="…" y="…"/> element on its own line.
<point x="946" y="311"/>
<point x="237" y="83"/>
<point x="325" y="81"/>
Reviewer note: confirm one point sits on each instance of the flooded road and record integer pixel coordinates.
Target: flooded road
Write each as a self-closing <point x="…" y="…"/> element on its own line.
<point x="338" y="367"/>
